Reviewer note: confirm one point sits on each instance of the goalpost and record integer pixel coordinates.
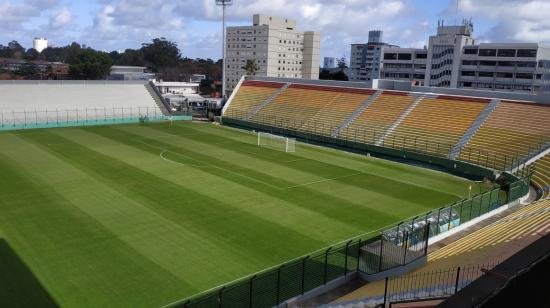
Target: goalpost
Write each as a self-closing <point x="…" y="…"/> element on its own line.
<point x="276" y="142"/>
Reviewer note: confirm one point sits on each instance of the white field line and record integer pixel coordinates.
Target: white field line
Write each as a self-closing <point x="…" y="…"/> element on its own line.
<point x="324" y="180"/>
<point x="175" y="162"/>
<point x="164" y="151"/>
<point x="210" y="165"/>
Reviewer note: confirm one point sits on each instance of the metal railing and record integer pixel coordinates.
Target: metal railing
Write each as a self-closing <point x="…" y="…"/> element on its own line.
<point x="394" y="247"/>
<point x="436" y="284"/>
<point x="320" y="130"/>
<point x="27" y="119"/>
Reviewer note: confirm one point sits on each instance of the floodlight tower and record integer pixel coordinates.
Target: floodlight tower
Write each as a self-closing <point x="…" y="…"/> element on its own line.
<point x="223" y="4"/>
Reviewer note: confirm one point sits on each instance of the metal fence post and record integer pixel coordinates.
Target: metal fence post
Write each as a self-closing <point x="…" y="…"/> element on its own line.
<point x="304" y="274"/>
<point x="380" y="258"/>
<point x="358" y="253"/>
<point x="326" y="265"/>
<point x="346" y="260"/>
<point x="427" y="239"/>
<point x="386" y="291"/>
<point x="457" y="278"/>
<point x="251" y="290"/>
<point x="279" y="284"/>
<point x="220" y="305"/>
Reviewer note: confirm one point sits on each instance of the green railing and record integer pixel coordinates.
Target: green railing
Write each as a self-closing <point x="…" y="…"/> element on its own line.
<point x="372" y="140"/>
<point x="15" y="120"/>
<point x="460" y="212"/>
<point x="370" y="253"/>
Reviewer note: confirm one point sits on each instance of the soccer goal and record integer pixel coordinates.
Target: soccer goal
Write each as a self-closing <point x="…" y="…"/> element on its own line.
<point x="276" y="142"/>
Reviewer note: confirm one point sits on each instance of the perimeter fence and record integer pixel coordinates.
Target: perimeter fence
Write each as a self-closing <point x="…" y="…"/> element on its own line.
<point x="48" y="118"/>
<point x="330" y="132"/>
<point x="370" y="254"/>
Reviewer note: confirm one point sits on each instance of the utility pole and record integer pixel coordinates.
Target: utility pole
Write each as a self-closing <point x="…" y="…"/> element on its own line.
<point x="223" y="4"/>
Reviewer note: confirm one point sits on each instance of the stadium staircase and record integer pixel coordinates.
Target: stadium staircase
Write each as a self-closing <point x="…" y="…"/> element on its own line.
<point x="492" y="243"/>
<point x="514" y="130"/>
<point x="401" y="118"/>
<point x="266" y="102"/>
<point x="356" y="113"/>
<point x="455" y="151"/>
<point x="157" y="97"/>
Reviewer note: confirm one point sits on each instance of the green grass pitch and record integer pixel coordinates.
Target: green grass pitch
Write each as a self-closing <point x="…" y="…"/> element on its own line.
<point x="144" y="215"/>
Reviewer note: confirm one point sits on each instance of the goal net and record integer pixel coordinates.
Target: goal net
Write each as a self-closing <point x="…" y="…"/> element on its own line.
<point x="276" y="142"/>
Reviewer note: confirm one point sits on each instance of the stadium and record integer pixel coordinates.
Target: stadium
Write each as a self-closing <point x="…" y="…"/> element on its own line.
<point x="303" y="193"/>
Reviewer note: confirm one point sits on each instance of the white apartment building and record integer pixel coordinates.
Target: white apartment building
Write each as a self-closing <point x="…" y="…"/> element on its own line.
<point x="365" y="59"/>
<point x="505" y="67"/>
<point x="278" y="49"/>
<point x="444" y="53"/>
<point x="454" y="60"/>
<point x="404" y="64"/>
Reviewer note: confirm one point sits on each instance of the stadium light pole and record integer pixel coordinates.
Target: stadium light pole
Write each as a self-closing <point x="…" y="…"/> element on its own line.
<point x="223" y="4"/>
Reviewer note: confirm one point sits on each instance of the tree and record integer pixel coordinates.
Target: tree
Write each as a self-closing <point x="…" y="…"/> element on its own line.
<point x="251" y="67"/>
<point x="90" y="64"/>
<point x="131" y="57"/>
<point x="161" y="53"/>
<point x="341" y="62"/>
<point x="28" y="70"/>
<point x="32" y="54"/>
<point x="339" y="75"/>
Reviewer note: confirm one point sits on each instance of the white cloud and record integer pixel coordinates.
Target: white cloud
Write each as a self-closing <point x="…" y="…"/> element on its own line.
<point x="61" y="18"/>
<point x="514" y="20"/>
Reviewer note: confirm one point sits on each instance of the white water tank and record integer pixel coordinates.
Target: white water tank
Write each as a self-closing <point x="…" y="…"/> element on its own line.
<point x="39" y="43"/>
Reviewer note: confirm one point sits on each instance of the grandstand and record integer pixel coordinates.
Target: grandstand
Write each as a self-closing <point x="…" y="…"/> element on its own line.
<point x="153" y="214"/>
<point x="513" y="129"/>
<point x="26" y="102"/>
<point x="251" y="95"/>
<point x="541" y="176"/>
<point x="384" y="111"/>
<point x="489" y="245"/>
<point x="494" y="132"/>
<point x="436" y="124"/>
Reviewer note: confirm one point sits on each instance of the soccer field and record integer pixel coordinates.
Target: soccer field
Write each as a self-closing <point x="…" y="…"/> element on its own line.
<point x="144" y="215"/>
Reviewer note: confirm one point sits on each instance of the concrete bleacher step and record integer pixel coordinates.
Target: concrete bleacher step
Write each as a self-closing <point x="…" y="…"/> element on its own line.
<point x="455" y="151"/>
<point x="402" y="117"/>
<point x="356" y="113"/>
<point x="266" y="102"/>
<point x="157" y="97"/>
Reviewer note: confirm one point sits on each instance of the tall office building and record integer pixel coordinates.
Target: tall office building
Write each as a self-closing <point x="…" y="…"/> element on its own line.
<point x="453" y="59"/>
<point x="444" y="53"/>
<point x="365" y="59"/>
<point x="278" y="49"/>
<point x="505" y="67"/>
<point x="404" y="64"/>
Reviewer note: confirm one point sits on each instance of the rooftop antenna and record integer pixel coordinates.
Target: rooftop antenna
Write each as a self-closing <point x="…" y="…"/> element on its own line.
<point x="456" y="13"/>
<point x="223" y="4"/>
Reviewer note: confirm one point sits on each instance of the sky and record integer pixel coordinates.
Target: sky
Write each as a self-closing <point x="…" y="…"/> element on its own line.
<point x="195" y="25"/>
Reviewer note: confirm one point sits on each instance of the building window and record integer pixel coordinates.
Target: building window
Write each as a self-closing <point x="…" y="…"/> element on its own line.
<point x="470" y="51"/>
<point x="486" y="74"/>
<point x="404" y="56"/>
<point x="506" y="53"/>
<point x="421" y="55"/>
<point x="390" y="56"/>
<point x="527" y="53"/>
<point x="524" y="76"/>
<point x="487" y="52"/>
<point x="505" y="75"/>
<point x="468" y="73"/>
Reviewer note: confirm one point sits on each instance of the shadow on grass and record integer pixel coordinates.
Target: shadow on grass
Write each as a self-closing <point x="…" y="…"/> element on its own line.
<point x="18" y="285"/>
